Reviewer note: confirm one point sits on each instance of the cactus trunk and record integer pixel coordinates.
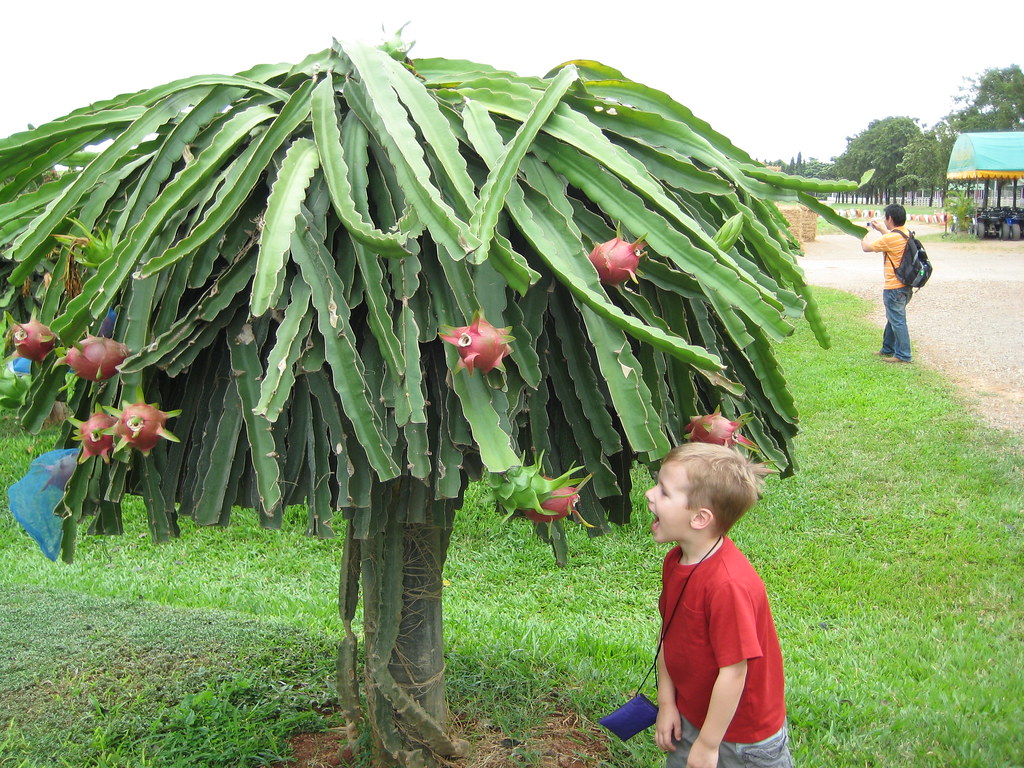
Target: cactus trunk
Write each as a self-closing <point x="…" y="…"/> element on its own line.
<point x="399" y="571"/>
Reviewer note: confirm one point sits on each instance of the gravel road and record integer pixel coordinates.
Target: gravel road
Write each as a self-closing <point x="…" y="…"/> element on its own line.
<point x="968" y="322"/>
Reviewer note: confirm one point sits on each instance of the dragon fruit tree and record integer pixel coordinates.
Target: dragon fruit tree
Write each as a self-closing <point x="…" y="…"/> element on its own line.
<point x="360" y="282"/>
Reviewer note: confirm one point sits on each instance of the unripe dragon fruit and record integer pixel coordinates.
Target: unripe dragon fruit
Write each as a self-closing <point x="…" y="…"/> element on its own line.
<point x="715" y="428"/>
<point x="526" y="490"/>
<point x="616" y="260"/>
<point x="480" y="345"/>
<point x="96" y="435"/>
<point x="141" y="426"/>
<point x="95" y="358"/>
<point x="33" y="340"/>
<point x="559" y="504"/>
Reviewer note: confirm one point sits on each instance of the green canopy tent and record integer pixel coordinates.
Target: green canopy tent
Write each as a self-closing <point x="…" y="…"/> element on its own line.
<point x="998" y="156"/>
<point x="995" y="155"/>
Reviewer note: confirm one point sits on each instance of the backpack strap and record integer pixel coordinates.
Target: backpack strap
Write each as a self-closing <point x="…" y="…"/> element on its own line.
<point x="906" y="239"/>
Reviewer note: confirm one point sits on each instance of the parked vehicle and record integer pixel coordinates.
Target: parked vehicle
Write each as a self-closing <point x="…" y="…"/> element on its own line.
<point x="1004" y="223"/>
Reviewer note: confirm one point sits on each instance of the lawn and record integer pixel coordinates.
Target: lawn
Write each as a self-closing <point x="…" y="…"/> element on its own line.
<point x="825" y="228"/>
<point x="892" y="559"/>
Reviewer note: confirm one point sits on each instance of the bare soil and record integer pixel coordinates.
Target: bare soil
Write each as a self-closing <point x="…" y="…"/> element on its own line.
<point x="565" y="741"/>
<point x="967" y="322"/>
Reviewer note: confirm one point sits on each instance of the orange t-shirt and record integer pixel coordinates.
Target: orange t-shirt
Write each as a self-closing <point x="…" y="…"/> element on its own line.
<point x="891" y="246"/>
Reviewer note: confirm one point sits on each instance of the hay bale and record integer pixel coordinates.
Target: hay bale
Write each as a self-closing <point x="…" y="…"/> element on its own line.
<point x="803" y="222"/>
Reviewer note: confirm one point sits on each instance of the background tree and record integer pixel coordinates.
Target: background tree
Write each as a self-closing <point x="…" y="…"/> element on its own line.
<point x="812" y="168"/>
<point x="282" y="249"/>
<point x="925" y="160"/>
<point x="880" y="146"/>
<point x="993" y="101"/>
<point x="818" y="169"/>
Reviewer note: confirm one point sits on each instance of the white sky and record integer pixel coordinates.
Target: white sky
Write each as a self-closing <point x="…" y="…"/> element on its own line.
<point x="776" y="78"/>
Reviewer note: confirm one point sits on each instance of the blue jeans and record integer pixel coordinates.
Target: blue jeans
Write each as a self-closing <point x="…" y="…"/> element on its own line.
<point x="896" y="337"/>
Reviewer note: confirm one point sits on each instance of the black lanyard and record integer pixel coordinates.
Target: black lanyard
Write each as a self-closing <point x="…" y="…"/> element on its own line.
<point x="679" y="600"/>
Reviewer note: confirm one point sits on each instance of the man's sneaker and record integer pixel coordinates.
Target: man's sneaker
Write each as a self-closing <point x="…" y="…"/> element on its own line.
<point x="889" y="359"/>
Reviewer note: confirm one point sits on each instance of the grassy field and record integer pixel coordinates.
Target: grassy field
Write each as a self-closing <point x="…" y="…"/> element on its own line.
<point x="893" y="561"/>
<point x="825" y="228"/>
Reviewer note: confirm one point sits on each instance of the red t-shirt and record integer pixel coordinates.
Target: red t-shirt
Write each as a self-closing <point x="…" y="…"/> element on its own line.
<point x="723" y="619"/>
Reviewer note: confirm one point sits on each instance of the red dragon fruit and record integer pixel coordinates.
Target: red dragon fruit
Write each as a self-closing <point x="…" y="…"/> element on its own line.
<point x="616" y="260"/>
<point x="717" y="429"/>
<point x="141" y="426"/>
<point x="96" y="435"/>
<point x="561" y="502"/>
<point x="33" y="340"/>
<point x="480" y="345"/>
<point x="95" y="358"/>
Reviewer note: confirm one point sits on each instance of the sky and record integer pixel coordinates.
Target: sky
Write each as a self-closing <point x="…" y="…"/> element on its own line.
<point x="776" y="78"/>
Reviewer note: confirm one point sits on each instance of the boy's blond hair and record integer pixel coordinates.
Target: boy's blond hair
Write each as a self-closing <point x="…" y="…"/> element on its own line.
<point x="720" y="478"/>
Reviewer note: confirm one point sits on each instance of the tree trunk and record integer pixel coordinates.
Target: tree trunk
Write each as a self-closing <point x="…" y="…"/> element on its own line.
<point x="418" y="663"/>
<point x="399" y="565"/>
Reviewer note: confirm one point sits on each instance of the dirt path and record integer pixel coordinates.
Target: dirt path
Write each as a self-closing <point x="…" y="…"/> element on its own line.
<point x="968" y="322"/>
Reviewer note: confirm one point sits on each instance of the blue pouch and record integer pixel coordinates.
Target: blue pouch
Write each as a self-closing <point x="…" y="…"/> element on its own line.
<point x="634" y="716"/>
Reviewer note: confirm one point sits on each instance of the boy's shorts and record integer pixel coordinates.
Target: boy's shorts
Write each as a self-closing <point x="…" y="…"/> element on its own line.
<point x="772" y="752"/>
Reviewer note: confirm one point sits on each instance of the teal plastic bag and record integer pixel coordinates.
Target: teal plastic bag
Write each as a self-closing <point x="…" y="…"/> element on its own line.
<point x="36" y="495"/>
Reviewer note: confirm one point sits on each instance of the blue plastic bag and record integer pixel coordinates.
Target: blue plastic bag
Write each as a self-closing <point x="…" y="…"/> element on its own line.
<point x="36" y="495"/>
<point x="20" y="365"/>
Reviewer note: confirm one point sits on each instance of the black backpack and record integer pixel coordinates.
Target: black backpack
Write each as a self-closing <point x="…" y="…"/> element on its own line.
<point x="915" y="268"/>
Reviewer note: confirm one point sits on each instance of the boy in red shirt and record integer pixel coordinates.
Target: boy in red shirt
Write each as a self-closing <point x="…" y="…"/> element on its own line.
<point x="721" y="692"/>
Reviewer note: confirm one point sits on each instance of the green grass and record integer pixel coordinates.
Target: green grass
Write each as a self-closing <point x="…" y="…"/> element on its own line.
<point x="825" y="228"/>
<point x="892" y="558"/>
<point x="125" y="682"/>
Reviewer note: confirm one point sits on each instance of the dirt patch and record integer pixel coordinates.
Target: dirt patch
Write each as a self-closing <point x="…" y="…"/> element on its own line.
<point x="967" y="322"/>
<point x="563" y="741"/>
<point x="320" y="750"/>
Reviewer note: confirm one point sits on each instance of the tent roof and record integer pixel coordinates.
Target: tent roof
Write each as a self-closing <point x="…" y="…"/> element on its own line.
<point x="997" y="155"/>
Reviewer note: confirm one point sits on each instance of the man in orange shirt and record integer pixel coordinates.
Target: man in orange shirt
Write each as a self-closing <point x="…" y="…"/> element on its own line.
<point x="889" y="237"/>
